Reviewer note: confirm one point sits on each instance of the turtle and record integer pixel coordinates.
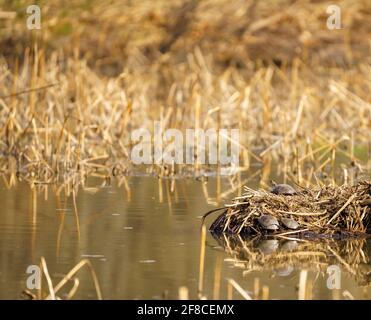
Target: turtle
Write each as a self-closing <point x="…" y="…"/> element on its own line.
<point x="283" y="189"/>
<point x="268" y="222"/>
<point x="290" y="223"/>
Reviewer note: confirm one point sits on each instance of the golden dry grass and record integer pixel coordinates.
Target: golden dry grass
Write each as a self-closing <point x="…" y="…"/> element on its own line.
<point x="71" y="93"/>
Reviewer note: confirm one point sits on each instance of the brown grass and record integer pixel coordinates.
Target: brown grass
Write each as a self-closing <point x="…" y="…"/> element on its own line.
<point x="71" y="95"/>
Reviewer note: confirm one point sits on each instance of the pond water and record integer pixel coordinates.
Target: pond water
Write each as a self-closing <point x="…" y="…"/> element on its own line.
<point x="144" y="242"/>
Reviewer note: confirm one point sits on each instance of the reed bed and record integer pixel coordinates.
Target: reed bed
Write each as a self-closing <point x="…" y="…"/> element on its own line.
<point x="330" y="211"/>
<point x="302" y="101"/>
<point x="139" y="33"/>
<point x="83" y="122"/>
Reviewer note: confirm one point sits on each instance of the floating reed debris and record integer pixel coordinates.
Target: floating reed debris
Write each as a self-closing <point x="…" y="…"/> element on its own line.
<point x="330" y="211"/>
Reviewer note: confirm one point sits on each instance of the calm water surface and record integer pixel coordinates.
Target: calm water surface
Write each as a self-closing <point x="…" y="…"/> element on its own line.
<point x="144" y="242"/>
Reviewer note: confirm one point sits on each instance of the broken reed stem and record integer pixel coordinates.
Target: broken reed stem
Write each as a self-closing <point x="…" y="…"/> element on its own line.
<point x="183" y="293"/>
<point x="74" y="270"/>
<point x="302" y="285"/>
<point x="303" y="214"/>
<point x="229" y="291"/>
<point x="239" y="289"/>
<point x="48" y="280"/>
<point x="342" y="208"/>
<point x="29" y="91"/>
<point x="76" y="214"/>
<point x="290" y="232"/>
<point x="347" y="295"/>
<point x="202" y="259"/>
<point x="265" y="293"/>
<point x="256" y="288"/>
<point x="74" y="288"/>
<point x="217" y="277"/>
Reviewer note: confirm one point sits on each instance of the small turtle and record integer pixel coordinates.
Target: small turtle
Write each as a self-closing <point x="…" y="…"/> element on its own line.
<point x="290" y="223"/>
<point x="283" y="189"/>
<point x="268" y="222"/>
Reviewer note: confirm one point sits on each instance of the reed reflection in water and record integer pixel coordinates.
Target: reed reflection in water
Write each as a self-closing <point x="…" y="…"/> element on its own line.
<point x="143" y="240"/>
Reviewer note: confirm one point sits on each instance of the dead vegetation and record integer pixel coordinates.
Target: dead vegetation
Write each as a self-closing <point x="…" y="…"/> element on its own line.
<point x="325" y="212"/>
<point x="71" y="94"/>
<point x="52" y="292"/>
<point x="135" y="33"/>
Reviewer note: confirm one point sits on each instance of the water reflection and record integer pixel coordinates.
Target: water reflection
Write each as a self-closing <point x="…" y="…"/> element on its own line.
<point x="142" y="237"/>
<point x="281" y="257"/>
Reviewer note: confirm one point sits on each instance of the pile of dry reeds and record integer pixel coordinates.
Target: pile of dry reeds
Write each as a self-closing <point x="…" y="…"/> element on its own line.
<point x="328" y="211"/>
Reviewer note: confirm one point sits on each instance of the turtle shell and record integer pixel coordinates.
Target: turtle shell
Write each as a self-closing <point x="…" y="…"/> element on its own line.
<point x="290" y="223"/>
<point x="283" y="189"/>
<point x="268" y="222"/>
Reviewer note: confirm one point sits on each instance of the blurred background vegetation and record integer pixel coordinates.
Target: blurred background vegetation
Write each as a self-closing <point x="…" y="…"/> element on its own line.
<point x="111" y="34"/>
<point x="297" y="90"/>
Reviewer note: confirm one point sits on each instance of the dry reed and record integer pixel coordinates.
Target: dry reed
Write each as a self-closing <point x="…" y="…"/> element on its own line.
<point x="69" y="277"/>
<point x="327" y="211"/>
<point x="302" y="100"/>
